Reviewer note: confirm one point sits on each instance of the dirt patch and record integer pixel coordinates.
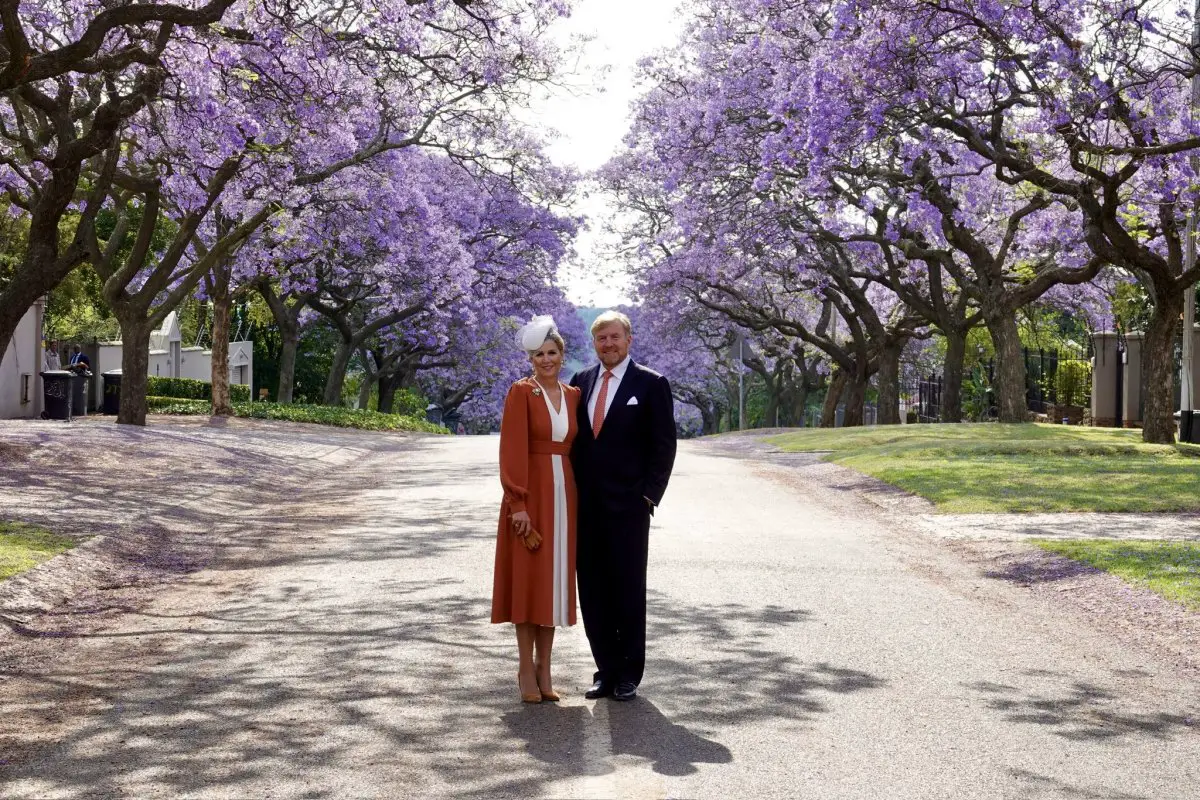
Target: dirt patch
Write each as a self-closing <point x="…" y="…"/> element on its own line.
<point x="12" y="453"/>
<point x="152" y="506"/>
<point x="1135" y="616"/>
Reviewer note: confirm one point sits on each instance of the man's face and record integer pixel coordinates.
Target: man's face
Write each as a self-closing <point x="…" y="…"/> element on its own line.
<point x="611" y="343"/>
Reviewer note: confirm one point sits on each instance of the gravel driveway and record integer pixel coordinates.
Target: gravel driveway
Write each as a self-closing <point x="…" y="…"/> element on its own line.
<point x="290" y="611"/>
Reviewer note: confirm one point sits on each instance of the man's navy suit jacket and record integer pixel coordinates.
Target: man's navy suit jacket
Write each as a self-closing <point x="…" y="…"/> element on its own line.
<point x="632" y="458"/>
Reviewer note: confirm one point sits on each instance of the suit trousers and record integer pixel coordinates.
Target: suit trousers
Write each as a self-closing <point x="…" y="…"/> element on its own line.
<point x="611" y="570"/>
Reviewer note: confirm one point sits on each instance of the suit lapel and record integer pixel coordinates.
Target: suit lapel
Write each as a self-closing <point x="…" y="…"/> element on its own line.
<point x="585" y="385"/>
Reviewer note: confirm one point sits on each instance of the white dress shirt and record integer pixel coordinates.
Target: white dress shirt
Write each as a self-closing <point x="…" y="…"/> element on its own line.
<point x="618" y="372"/>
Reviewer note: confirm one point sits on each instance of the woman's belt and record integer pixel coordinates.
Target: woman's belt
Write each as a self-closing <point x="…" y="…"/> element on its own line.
<point x="550" y="448"/>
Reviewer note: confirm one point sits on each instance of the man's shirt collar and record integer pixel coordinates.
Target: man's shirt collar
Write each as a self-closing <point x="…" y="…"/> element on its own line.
<point x="619" y="370"/>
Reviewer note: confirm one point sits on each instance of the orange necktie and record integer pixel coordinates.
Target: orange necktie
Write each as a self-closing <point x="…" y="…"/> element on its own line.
<point x="598" y="414"/>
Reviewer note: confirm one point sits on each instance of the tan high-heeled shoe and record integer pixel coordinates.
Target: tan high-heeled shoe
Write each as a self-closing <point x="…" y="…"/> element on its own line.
<point x="549" y="696"/>
<point x="528" y="697"/>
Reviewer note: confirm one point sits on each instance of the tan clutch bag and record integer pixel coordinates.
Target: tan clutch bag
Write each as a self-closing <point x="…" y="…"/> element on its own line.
<point x="531" y="540"/>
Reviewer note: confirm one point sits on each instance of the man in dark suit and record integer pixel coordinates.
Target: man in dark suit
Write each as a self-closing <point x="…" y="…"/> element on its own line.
<point x="622" y="458"/>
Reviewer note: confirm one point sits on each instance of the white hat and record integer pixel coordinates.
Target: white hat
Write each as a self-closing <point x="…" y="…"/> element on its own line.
<point x="535" y="332"/>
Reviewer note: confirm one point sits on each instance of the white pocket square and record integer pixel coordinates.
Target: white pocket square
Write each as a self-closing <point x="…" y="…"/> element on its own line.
<point x="632" y="401"/>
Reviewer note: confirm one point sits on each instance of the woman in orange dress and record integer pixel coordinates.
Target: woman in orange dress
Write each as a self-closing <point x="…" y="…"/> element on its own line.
<point x="534" y="583"/>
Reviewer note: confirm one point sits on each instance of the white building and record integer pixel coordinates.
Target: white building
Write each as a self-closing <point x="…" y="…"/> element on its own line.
<point x="20" y="386"/>
<point x="170" y="359"/>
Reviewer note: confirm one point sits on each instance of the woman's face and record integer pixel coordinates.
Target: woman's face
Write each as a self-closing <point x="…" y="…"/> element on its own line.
<point x="547" y="360"/>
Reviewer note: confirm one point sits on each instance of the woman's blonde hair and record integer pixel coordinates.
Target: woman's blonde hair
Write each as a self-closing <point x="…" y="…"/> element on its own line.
<point x="552" y="336"/>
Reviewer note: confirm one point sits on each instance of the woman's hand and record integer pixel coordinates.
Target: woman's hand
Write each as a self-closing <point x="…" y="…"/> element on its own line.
<point x="523" y="527"/>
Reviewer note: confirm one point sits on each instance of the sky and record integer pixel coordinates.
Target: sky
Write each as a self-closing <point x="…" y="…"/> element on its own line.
<point x="593" y="116"/>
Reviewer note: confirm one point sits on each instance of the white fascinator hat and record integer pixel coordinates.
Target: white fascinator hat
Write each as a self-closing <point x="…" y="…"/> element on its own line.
<point x="535" y="332"/>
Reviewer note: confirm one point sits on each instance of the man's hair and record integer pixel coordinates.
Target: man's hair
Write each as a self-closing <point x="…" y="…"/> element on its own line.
<point x="609" y="317"/>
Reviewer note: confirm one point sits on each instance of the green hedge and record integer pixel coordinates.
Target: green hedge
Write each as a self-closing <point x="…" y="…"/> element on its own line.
<point x="177" y="405"/>
<point x="319" y="415"/>
<point x="189" y="389"/>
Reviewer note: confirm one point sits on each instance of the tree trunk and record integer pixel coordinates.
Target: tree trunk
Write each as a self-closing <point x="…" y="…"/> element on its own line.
<point x="888" y="380"/>
<point x="15" y="300"/>
<point x="731" y="395"/>
<point x="135" y="369"/>
<point x="1158" y="365"/>
<point x="856" y="398"/>
<point x="793" y="416"/>
<point x="337" y="373"/>
<point x="387" y="393"/>
<point x="833" y="395"/>
<point x="1009" y="382"/>
<point x="364" y="390"/>
<point x="290" y="336"/>
<point x="708" y="420"/>
<point x="288" y="320"/>
<point x="43" y="267"/>
<point x="952" y="376"/>
<point x="222" y="302"/>
<point x="771" y="410"/>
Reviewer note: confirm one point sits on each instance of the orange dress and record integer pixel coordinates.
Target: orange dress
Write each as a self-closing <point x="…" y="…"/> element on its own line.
<point x="535" y="471"/>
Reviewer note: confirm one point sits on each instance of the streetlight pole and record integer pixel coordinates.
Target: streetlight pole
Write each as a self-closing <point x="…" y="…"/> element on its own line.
<point x="1187" y="428"/>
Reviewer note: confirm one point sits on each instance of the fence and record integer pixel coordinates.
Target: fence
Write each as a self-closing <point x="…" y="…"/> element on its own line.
<point x="1054" y="385"/>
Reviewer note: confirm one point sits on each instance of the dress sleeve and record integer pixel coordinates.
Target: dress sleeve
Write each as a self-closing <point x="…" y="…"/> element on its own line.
<point x="514" y="449"/>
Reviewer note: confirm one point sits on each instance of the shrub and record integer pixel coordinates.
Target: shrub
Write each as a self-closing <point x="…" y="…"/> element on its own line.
<point x="190" y="389"/>
<point x="177" y="406"/>
<point x="409" y="403"/>
<point x="318" y="415"/>
<point x="977" y="398"/>
<point x="1073" y="383"/>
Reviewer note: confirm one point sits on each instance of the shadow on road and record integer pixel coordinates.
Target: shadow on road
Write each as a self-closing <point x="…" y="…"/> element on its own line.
<point x="1044" y="786"/>
<point x="365" y="657"/>
<point x="277" y="686"/>
<point x="1082" y="711"/>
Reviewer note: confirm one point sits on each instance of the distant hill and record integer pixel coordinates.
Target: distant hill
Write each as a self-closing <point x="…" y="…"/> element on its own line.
<point x="588" y="315"/>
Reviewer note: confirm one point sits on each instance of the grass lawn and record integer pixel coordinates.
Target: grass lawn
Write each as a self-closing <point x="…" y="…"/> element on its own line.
<point x="1171" y="569"/>
<point x="24" y="546"/>
<point x="361" y="419"/>
<point x="976" y="468"/>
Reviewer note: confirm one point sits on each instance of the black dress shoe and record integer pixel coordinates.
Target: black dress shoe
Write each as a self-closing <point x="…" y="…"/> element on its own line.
<point x="599" y="689"/>
<point x="626" y="690"/>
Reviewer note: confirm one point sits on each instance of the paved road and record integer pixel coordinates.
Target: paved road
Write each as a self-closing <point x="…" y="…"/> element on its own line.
<point x="336" y="645"/>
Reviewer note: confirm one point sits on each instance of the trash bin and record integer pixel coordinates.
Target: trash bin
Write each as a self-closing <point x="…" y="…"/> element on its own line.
<point x="433" y="413"/>
<point x="112" y="391"/>
<point x="79" y="393"/>
<point x="1189" y="426"/>
<point x="56" y="390"/>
